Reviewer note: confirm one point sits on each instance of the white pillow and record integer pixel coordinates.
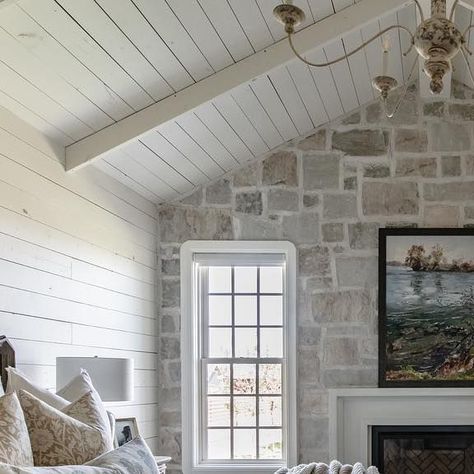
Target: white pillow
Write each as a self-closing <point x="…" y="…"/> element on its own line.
<point x="1" y="389"/>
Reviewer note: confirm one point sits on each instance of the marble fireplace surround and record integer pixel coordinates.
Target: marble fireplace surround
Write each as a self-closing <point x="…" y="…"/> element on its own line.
<point x="352" y="413"/>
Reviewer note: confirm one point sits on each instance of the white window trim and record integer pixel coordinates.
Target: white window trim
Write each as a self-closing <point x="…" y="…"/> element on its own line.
<point x="190" y="356"/>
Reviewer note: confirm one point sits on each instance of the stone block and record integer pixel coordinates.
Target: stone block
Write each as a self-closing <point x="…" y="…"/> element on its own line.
<point x="343" y="306"/>
<point x="411" y="140"/>
<point x="178" y="224"/>
<point x="361" y="142"/>
<point x="357" y="271"/>
<point x="424" y="167"/>
<point x="317" y="141"/>
<point x="168" y="324"/>
<point x="194" y="199"/>
<point x="313" y="401"/>
<point x="455" y="191"/>
<point x="350" y="377"/>
<point x="470" y="165"/>
<point x="446" y="136"/>
<point x="170" y="267"/>
<point x="469" y="212"/>
<point x="170" y="293"/>
<point x="280" y="168"/>
<point x="319" y="283"/>
<point x="313" y="433"/>
<point x="374" y="113"/>
<point x="363" y="235"/>
<point x="170" y="443"/>
<point x="219" y="192"/>
<point x="169" y="348"/>
<point x="390" y="198"/>
<point x="253" y="228"/>
<point x="433" y="109"/>
<point x="463" y="112"/>
<point x="333" y="232"/>
<point x="174" y="371"/>
<point x="377" y="170"/>
<point x="308" y="366"/>
<point x="249" y="202"/>
<point x="321" y="172"/>
<point x="309" y="336"/>
<point x="451" y="166"/>
<point x="301" y="228"/>
<point x="282" y="200"/>
<point x="310" y="200"/>
<point x="247" y="176"/>
<point x="314" y="261"/>
<point x="340" y="351"/>
<point x="352" y="119"/>
<point x="441" y="216"/>
<point x="338" y="206"/>
<point x="350" y="183"/>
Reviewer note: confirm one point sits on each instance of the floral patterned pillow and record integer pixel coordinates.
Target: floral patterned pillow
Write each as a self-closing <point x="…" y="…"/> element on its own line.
<point x="59" y="439"/>
<point x="15" y="447"/>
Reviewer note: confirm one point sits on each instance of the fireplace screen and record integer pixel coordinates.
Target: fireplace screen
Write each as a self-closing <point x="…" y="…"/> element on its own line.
<point x="423" y="449"/>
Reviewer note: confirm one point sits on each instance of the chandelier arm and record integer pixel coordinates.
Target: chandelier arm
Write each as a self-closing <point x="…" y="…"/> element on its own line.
<point x="468" y="65"/>
<point x="422" y="16"/>
<point x="451" y="15"/>
<point x="405" y="90"/>
<point x="468" y="51"/>
<point x="466" y="31"/>
<point x="348" y="55"/>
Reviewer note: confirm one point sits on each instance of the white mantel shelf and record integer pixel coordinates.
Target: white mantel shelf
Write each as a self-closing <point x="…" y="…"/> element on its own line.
<point x="352" y="412"/>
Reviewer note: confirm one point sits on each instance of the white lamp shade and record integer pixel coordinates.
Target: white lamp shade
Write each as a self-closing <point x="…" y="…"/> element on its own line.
<point x="111" y="377"/>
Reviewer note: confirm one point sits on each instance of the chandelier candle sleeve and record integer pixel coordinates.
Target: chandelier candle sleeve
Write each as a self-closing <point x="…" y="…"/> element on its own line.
<point x="386" y="54"/>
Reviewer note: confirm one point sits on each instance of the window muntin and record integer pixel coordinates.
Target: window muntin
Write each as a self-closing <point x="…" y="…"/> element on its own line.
<point x="242" y="362"/>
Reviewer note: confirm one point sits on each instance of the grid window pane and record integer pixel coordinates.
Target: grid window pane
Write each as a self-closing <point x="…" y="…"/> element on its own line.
<point x="245" y="279"/>
<point x="220" y="310"/>
<point x="218" y="444"/>
<point x="270" y="411"/>
<point x="218" y="411"/>
<point x="245" y="310"/>
<point x="269" y="379"/>
<point x="271" y="280"/>
<point x="245" y="411"/>
<point x="245" y="444"/>
<point x="218" y="378"/>
<point x="245" y="342"/>
<point x="271" y="342"/>
<point x="220" y="280"/>
<point x="271" y="310"/>
<point x="244" y="378"/>
<point x="270" y="444"/>
<point x="220" y="342"/>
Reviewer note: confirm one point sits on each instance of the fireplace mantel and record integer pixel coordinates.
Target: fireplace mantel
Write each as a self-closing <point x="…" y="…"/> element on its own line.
<point x="353" y="411"/>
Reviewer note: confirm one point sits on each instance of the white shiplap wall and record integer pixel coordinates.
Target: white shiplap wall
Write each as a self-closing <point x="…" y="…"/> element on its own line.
<point x="77" y="267"/>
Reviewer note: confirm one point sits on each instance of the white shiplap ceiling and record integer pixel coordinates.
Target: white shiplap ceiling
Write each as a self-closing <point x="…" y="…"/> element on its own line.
<point x="71" y="68"/>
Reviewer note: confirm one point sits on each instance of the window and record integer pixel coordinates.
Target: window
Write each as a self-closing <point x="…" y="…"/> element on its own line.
<point x="238" y="339"/>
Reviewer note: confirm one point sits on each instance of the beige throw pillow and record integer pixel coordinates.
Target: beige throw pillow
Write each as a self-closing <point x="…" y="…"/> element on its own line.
<point x="15" y="447"/>
<point x="57" y="437"/>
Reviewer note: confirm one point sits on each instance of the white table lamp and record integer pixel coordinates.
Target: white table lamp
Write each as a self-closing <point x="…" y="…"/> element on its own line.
<point x="111" y="377"/>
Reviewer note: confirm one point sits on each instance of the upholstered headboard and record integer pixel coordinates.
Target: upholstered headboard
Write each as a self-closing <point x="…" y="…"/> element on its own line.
<point x="7" y="358"/>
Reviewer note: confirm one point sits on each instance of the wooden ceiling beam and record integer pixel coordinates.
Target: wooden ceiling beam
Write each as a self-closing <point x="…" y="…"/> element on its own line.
<point x="324" y="32"/>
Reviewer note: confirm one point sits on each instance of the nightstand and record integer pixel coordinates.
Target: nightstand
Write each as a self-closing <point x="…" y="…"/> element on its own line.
<point x="161" y="462"/>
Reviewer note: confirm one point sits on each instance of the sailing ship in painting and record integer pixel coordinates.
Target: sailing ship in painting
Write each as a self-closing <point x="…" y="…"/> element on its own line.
<point x="429" y="308"/>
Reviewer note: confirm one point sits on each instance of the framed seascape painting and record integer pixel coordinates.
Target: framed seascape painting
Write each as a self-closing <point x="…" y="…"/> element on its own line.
<point x="426" y="307"/>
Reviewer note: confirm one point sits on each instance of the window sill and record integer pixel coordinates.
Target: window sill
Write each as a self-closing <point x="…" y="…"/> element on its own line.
<point x="236" y="469"/>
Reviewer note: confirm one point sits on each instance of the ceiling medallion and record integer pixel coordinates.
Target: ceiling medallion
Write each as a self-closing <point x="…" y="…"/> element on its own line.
<point x="437" y="41"/>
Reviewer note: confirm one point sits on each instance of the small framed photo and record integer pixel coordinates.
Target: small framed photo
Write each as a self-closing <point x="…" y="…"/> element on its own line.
<point x="126" y="429"/>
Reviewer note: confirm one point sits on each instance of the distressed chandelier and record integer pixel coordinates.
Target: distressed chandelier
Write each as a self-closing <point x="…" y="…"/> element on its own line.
<point x="437" y="40"/>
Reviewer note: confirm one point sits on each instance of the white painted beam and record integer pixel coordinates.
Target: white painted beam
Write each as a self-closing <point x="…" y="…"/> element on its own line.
<point x="316" y="36"/>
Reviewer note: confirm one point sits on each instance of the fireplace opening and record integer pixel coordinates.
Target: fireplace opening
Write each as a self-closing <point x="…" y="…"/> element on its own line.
<point x="423" y="449"/>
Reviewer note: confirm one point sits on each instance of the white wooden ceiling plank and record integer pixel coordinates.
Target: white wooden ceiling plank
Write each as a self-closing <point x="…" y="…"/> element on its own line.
<point x="147" y="40"/>
<point x="250" y="142"/>
<point x="201" y="30"/>
<point x="342" y="76"/>
<point x="65" y="30"/>
<point x="326" y="86"/>
<point x="58" y="59"/>
<point x="228" y="28"/>
<point x="466" y="76"/>
<point x="188" y="147"/>
<point x="321" y="8"/>
<point x="359" y="68"/>
<point x="407" y="17"/>
<point x="269" y="99"/>
<point x="253" y="110"/>
<point x="191" y="124"/>
<point x="395" y="67"/>
<point x="373" y="51"/>
<point x="24" y="92"/>
<point x="253" y="23"/>
<point x="134" y="169"/>
<point x="163" y="19"/>
<point x="308" y="91"/>
<point x="96" y="22"/>
<point x="173" y="157"/>
<point x="157" y="166"/>
<point x="341" y="4"/>
<point x="28" y="66"/>
<point x="286" y="90"/>
<point x="122" y="177"/>
<point x="33" y="119"/>
<point x="462" y="19"/>
<point x="211" y="115"/>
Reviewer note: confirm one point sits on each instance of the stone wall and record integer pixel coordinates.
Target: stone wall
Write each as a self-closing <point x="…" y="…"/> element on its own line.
<point x="328" y="193"/>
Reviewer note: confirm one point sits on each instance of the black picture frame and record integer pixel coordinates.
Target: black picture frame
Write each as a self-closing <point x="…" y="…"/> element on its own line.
<point x="384" y="234"/>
